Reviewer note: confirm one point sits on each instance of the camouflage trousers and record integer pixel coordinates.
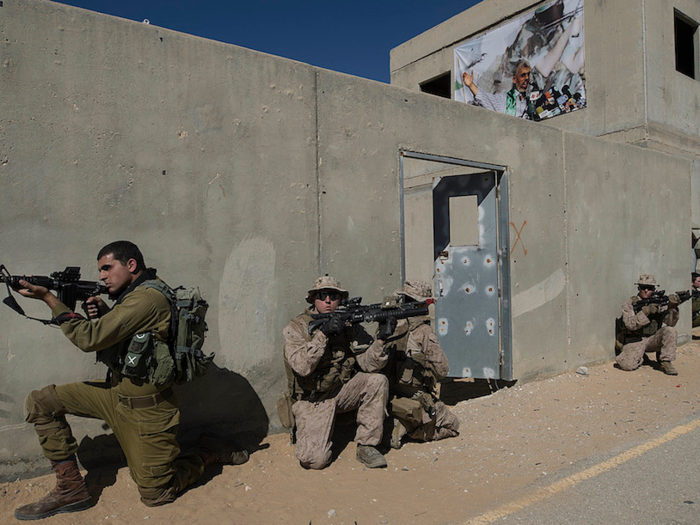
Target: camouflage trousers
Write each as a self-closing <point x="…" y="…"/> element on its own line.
<point x="662" y="342"/>
<point x="147" y="435"/>
<point x="444" y="425"/>
<point x="366" y="393"/>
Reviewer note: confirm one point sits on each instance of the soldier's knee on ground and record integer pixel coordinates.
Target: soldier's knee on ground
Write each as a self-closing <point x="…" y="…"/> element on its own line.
<point x="162" y="495"/>
<point x="313" y="456"/>
<point x="45" y="410"/>
<point x="315" y="463"/>
<point x="627" y="367"/>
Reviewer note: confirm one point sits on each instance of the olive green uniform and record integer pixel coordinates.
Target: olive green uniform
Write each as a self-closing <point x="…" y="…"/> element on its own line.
<point x="417" y="362"/>
<point x="642" y="333"/>
<point x="143" y="417"/>
<point x="334" y="375"/>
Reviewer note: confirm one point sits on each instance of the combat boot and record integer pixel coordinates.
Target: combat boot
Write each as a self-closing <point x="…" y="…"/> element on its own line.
<point x="370" y="456"/>
<point x="69" y="495"/>
<point x="668" y="368"/>
<point x="216" y="452"/>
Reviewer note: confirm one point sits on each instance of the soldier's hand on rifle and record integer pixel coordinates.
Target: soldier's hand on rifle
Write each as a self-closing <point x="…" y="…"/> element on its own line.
<point x="37" y="292"/>
<point x="386" y="328"/>
<point x="333" y="326"/>
<point x="95" y="307"/>
<point x="650" y="309"/>
<point x="31" y="290"/>
<point x="673" y="300"/>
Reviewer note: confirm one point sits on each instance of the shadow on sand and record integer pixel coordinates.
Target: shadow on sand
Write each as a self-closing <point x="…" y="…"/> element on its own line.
<point x="222" y="404"/>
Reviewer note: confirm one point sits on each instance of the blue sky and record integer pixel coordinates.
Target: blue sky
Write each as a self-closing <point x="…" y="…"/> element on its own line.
<point x="351" y="37"/>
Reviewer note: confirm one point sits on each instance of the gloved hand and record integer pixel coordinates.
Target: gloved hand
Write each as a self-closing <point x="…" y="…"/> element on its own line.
<point x="650" y="309"/>
<point x="386" y="328"/>
<point x="333" y="326"/>
<point x="673" y="300"/>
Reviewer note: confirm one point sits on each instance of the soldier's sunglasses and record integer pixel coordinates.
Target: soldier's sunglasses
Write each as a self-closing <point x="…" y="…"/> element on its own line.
<point x="321" y="296"/>
<point x="647" y="287"/>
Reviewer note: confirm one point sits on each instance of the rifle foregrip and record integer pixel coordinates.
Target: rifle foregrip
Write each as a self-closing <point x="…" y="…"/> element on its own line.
<point x="396" y="313"/>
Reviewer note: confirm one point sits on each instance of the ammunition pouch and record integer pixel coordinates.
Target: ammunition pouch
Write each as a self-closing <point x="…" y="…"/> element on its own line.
<point x="337" y="366"/>
<point x="412" y="411"/>
<point x="138" y="357"/>
<point x="143" y="358"/>
<point x="409" y="411"/>
<point x="415" y="372"/>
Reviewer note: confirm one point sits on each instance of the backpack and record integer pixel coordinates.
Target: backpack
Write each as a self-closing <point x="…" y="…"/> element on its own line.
<point x="188" y="328"/>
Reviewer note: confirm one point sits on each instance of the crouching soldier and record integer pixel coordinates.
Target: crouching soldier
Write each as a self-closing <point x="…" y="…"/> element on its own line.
<point x="331" y="371"/>
<point x="143" y="416"/>
<point x="416" y="364"/>
<point x="648" y="329"/>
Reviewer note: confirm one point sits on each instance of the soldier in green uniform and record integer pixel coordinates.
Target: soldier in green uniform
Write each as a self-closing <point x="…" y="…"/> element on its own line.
<point x="144" y="417"/>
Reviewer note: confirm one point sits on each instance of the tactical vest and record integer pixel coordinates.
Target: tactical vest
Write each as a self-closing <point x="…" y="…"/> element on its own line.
<point x="336" y="367"/>
<point x="409" y="374"/>
<point x="142" y="357"/>
<point x="633" y="336"/>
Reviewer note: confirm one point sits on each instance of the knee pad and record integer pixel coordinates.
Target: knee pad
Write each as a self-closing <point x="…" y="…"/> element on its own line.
<point x="42" y="405"/>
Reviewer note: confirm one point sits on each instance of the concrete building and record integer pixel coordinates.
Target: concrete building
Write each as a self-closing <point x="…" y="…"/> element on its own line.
<point x="249" y="175"/>
<point x="642" y="71"/>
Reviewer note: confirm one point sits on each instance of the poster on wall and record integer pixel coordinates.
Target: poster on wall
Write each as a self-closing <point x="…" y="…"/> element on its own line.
<point x="531" y="67"/>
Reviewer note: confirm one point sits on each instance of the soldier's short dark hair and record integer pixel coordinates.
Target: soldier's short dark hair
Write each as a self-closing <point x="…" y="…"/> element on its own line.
<point x="122" y="251"/>
<point x="695" y="275"/>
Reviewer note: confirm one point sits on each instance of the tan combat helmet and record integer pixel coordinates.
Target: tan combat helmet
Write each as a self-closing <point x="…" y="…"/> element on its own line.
<point x="418" y="290"/>
<point x="325" y="282"/>
<point x="646" y="279"/>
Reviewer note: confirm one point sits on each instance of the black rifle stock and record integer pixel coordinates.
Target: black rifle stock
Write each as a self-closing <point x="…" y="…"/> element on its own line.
<point x="67" y="285"/>
<point x="351" y="311"/>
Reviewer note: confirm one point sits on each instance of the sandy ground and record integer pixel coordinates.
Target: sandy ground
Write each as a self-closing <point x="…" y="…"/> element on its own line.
<point x="515" y="437"/>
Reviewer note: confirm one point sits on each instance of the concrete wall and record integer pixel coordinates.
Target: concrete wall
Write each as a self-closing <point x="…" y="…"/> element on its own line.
<point x="249" y="175"/>
<point x="634" y="93"/>
<point x="673" y="98"/>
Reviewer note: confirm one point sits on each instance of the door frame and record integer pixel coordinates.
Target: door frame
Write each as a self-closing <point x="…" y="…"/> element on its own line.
<point x="503" y="243"/>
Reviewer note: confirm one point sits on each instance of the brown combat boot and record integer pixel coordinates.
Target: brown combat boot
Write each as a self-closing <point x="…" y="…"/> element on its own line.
<point x="69" y="495"/>
<point x="668" y="368"/>
<point x="216" y="452"/>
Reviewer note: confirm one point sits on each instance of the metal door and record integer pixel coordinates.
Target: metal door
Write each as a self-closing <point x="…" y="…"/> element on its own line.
<point x="470" y="269"/>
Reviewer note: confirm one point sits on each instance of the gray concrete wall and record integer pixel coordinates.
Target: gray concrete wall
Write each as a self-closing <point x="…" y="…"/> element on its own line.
<point x="635" y="95"/>
<point x="673" y="98"/>
<point x="617" y="225"/>
<point x="249" y="175"/>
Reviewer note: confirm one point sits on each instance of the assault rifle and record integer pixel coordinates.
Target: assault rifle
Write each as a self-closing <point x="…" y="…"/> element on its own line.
<point x="67" y="285"/>
<point x="350" y="311"/>
<point x="660" y="299"/>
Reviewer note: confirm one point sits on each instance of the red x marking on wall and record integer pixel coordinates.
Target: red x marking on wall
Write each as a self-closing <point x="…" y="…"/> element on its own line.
<point x="518" y="238"/>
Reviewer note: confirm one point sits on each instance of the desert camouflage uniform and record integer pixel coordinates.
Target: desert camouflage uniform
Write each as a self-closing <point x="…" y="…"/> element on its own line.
<point x="365" y="390"/>
<point x="415" y="339"/>
<point x="654" y="333"/>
